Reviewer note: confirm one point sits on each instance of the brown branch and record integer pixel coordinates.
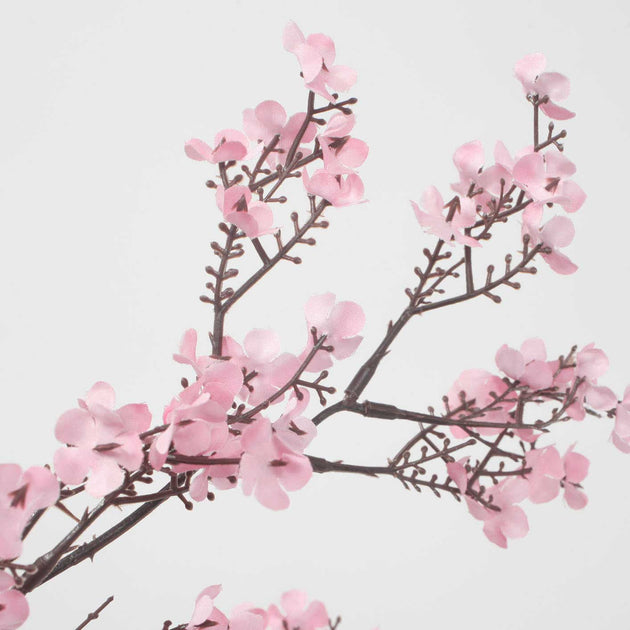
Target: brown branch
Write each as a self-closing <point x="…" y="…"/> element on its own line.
<point x="94" y="615"/>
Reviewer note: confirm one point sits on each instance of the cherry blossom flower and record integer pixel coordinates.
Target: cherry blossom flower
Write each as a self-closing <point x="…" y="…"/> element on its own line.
<point x="205" y="615"/>
<point x="435" y="222"/>
<point x="316" y="56"/>
<point x="545" y="178"/>
<point x="479" y="386"/>
<point x="550" y="472"/>
<point x="458" y="473"/>
<point x="558" y="232"/>
<point x="469" y="161"/>
<point x="299" y="613"/>
<point x="530" y="71"/>
<point x="198" y="424"/>
<point x="100" y="441"/>
<point x="510" y="520"/>
<point x="621" y="431"/>
<point x="341" y="322"/>
<point x="223" y="476"/>
<point x="269" y="119"/>
<point x="293" y="429"/>
<point x="261" y="354"/>
<point x="591" y="363"/>
<point x="337" y="190"/>
<point x="13" y="605"/>
<point x="246" y="617"/>
<point x="254" y="217"/>
<point x="229" y="144"/>
<point x="341" y="153"/>
<point x="269" y="468"/>
<point x="188" y="353"/>
<point x="265" y="121"/>
<point x="197" y="417"/>
<point x="529" y="365"/>
<point x="21" y="495"/>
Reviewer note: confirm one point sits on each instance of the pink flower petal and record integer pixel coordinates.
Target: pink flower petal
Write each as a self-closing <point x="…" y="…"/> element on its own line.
<point x="529" y="68"/>
<point x="105" y="476"/>
<point x="292" y="37"/>
<point x="262" y="345"/>
<point x="575" y="498"/>
<point x="72" y="464"/>
<point x="198" y="150"/>
<point x="346" y="319"/>
<point x="510" y="362"/>
<point x="318" y="309"/>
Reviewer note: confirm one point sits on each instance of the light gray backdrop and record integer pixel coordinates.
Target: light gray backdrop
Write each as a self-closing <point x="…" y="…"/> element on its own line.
<point x="106" y="229"/>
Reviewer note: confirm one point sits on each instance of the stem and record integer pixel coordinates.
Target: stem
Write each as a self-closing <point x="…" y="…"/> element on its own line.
<point x="89" y="549"/>
<point x="252" y="280"/>
<point x="219" y="312"/>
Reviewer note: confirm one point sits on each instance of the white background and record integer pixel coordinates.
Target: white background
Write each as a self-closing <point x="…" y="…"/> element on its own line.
<point x="106" y="229"/>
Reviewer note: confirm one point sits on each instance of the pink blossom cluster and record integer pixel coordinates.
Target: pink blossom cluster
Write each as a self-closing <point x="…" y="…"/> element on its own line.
<point x="269" y="455"/>
<point x="498" y="507"/>
<point x="295" y="612"/>
<point x="103" y="444"/>
<point x="22" y="494"/>
<point x="540" y="174"/>
<point x="268" y="126"/>
<point x="493" y="398"/>
<point x="100" y="442"/>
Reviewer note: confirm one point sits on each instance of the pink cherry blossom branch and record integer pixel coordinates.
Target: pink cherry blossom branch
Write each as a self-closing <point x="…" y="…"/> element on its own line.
<point x="45" y="564"/>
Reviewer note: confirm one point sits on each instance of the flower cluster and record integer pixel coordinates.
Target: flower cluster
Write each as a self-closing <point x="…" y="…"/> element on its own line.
<point x="538" y="176"/>
<point x="529" y="379"/>
<point x="295" y="612"/>
<point x="288" y="144"/>
<point x="244" y="417"/>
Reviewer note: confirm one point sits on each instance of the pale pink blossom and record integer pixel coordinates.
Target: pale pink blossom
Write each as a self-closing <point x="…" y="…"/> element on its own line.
<point x="530" y="71"/>
<point x="545" y="178"/>
<point x="254" y="217"/>
<point x="229" y="144"/>
<point x="510" y="520"/>
<point x="205" y="614"/>
<point x="292" y="428"/>
<point x="197" y="417"/>
<point x="269" y="119"/>
<point x="247" y="617"/>
<point x="621" y="431"/>
<point x="341" y="153"/>
<point x="222" y="476"/>
<point x="261" y="354"/>
<point x="188" y="353"/>
<point x="337" y="190"/>
<point x="557" y="233"/>
<point x="458" y="473"/>
<point x="101" y="441"/>
<point x="316" y="56"/>
<point x="529" y="365"/>
<point x="434" y="217"/>
<point x="550" y="472"/>
<point x="591" y="363"/>
<point x="298" y="613"/>
<point x="269" y="468"/>
<point x="265" y="121"/>
<point x="13" y="605"/>
<point x="479" y="386"/>
<point x="198" y="423"/>
<point x="341" y="322"/>
<point x="469" y="161"/>
<point x="22" y="493"/>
